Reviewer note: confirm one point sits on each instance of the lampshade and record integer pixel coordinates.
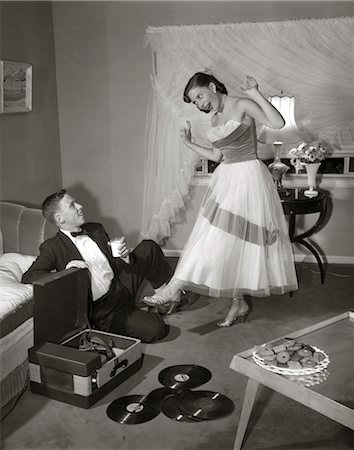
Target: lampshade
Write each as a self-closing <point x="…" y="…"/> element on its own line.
<point x="289" y="133"/>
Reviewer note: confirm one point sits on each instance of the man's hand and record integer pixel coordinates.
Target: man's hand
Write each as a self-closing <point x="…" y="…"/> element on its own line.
<point x="120" y="249"/>
<point x="79" y="263"/>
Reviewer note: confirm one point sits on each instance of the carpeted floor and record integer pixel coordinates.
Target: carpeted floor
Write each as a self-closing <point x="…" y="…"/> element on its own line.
<point x="276" y="423"/>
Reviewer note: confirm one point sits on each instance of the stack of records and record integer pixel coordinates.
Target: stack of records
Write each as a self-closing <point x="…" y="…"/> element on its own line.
<point x="176" y="399"/>
<point x="191" y="406"/>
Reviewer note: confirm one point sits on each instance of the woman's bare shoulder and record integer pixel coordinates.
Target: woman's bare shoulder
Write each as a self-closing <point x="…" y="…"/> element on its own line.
<point x="237" y="108"/>
<point x="241" y="102"/>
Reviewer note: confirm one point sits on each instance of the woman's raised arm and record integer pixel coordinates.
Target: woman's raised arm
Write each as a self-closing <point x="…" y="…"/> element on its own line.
<point x="258" y="107"/>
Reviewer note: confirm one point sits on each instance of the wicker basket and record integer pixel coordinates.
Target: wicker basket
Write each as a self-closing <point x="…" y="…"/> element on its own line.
<point x="286" y="371"/>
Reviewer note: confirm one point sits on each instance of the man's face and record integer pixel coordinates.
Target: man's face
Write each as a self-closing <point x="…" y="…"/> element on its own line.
<point x="70" y="215"/>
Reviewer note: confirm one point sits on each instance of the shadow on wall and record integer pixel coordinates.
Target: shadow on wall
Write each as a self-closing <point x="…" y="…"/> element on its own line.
<point x="93" y="212"/>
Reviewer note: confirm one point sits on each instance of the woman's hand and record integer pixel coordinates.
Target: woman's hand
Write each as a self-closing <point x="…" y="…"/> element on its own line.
<point x="213" y="154"/>
<point x="251" y="85"/>
<point x="186" y="133"/>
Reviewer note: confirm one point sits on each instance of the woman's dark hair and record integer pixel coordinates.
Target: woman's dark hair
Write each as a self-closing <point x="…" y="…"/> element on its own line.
<point x="201" y="79"/>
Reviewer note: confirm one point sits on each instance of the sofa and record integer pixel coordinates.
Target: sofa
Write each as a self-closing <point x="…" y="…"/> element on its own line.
<point x="22" y="230"/>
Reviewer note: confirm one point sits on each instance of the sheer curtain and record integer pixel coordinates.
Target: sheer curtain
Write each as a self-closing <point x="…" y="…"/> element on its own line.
<point x="309" y="59"/>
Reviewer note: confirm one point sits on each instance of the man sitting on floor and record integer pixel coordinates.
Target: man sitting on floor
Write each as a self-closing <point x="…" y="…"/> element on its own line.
<point x="114" y="281"/>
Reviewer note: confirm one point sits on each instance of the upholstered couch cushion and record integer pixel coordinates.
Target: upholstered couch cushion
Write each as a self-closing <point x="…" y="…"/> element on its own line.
<point x="13" y="293"/>
<point x="24" y="229"/>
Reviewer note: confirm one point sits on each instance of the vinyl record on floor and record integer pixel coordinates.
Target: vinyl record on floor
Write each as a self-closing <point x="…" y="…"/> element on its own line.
<point x="184" y="376"/>
<point x="205" y="405"/>
<point x="170" y="407"/>
<point x="156" y="397"/>
<point x="131" y="409"/>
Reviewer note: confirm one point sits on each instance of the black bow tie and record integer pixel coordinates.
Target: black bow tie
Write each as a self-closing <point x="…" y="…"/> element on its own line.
<point x="78" y="233"/>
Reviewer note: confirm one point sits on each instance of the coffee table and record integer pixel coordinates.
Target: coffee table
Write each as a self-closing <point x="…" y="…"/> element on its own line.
<point x="332" y="397"/>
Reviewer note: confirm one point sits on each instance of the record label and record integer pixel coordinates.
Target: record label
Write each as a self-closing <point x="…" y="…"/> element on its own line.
<point x="181" y="377"/>
<point x="134" y="407"/>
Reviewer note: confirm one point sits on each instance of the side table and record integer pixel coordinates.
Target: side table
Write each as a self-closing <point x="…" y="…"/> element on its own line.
<point x="294" y="203"/>
<point x="331" y="392"/>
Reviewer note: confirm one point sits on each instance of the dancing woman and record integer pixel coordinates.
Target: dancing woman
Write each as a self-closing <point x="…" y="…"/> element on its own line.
<point x="239" y="244"/>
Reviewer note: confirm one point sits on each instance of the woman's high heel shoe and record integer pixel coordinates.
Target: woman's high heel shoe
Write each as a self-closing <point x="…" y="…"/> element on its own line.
<point x="229" y="322"/>
<point x="185" y="299"/>
<point x="168" y="299"/>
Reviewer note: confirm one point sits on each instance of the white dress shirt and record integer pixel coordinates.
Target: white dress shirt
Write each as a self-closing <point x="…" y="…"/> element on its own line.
<point x="98" y="265"/>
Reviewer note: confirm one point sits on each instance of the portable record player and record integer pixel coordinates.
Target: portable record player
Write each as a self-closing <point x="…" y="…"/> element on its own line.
<point x="71" y="362"/>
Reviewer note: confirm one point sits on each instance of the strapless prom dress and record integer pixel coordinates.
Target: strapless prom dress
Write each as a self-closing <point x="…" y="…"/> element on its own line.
<point x="240" y="242"/>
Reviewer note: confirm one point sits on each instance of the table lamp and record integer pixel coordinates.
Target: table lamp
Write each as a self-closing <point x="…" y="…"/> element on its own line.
<point x="287" y="135"/>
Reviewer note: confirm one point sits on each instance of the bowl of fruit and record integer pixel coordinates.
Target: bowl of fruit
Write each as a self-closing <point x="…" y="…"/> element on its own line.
<point x="288" y="356"/>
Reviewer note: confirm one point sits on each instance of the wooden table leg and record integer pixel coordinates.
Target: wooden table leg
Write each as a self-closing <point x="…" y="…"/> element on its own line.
<point x="248" y="402"/>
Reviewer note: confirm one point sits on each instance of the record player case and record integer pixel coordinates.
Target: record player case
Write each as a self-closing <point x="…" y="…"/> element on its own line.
<point x="58" y="369"/>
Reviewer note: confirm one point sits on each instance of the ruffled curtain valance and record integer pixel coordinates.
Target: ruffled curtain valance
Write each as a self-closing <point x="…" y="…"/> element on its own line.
<point x="309" y="59"/>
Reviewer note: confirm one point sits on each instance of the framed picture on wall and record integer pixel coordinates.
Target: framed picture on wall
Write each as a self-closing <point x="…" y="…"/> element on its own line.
<point x="15" y="86"/>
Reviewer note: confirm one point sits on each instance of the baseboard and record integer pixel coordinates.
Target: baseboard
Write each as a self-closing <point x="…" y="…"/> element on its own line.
<point x="328" y="259"/>
<point x="331" y="259"/>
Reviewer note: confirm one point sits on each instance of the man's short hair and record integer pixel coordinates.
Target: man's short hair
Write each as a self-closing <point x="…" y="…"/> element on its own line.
<point x="50" y="205"/>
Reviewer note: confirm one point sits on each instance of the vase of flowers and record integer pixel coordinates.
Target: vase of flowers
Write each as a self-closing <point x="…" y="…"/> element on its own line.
<point x="310" y="156"/>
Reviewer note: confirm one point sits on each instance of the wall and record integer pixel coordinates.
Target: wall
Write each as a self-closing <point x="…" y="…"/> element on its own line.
<point x="30" y="148"/>
<point x="103" y="87"/>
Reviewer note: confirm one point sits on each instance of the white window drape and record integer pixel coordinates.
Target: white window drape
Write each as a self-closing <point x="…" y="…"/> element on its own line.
<point x="309" y="59"/>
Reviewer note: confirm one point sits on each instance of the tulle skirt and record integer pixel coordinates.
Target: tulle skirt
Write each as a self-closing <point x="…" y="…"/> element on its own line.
<point x="240" y="242"/>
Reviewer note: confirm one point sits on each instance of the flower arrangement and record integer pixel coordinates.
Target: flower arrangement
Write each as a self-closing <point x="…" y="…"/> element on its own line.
<point x="308" y="153"/>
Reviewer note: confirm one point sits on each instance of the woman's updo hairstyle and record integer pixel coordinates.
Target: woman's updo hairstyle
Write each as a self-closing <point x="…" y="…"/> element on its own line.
<point x="201" y="79"/>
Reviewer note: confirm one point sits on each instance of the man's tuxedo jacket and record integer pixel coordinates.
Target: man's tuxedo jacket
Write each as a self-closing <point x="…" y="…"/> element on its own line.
<point x="56" y="252"/>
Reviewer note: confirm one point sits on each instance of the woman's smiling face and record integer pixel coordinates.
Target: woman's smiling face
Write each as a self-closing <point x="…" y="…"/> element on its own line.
<point x="204" y="98"/>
